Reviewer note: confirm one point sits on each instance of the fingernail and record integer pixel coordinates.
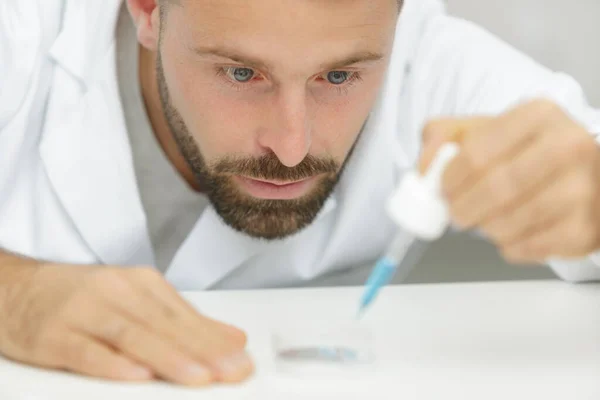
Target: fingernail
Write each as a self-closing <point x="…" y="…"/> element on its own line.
<point x="235" y="364"/>
<point x="197" y="373"/>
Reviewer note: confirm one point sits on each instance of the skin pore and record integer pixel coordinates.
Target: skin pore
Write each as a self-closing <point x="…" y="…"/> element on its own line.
<point x="259" y="104"/>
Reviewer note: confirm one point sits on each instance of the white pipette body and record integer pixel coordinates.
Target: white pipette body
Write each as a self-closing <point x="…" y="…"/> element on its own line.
<point x="418" y="207"/>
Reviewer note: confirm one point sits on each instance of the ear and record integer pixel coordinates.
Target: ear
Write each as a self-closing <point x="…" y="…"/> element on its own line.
<point x="146" y="17"/>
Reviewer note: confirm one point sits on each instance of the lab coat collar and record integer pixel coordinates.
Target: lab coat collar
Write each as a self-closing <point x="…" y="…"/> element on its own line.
<point x="393" y="103"/>
<point x="84" y="145"/>
<point x="213" y="250"/>
<point x="86" y="36"/>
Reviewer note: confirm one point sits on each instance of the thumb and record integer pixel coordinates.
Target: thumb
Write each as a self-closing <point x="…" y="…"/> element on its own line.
<point x="438" y="132"/>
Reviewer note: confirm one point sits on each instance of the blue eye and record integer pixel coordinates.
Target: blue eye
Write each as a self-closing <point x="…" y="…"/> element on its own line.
<point x="241" y="75"/>
<point x="337" y="77"/>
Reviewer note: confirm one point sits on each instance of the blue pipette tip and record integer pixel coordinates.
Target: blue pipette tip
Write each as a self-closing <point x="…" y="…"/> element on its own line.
<point x="361" y="311"/>
<point x="382" y="273"/>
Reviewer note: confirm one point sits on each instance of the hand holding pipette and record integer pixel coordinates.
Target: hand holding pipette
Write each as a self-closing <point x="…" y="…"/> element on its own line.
<point x="421" y="212"/>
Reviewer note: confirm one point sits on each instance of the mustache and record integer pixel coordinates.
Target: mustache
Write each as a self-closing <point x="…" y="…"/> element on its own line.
<point x="269" y="167"/>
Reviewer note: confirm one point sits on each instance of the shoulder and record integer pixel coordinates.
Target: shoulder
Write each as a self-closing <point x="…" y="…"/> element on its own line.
<point x="462" y="43"/>
<point x="27" y="27"/>
<point x="467" y="69"/>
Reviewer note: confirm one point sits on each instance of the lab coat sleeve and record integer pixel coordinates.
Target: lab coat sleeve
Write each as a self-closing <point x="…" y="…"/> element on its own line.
<point x="19" y="44"/>
<point x="461" y="69"/>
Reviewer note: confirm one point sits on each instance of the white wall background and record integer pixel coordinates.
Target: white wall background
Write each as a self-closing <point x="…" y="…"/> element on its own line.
<point x="562" y="34"/>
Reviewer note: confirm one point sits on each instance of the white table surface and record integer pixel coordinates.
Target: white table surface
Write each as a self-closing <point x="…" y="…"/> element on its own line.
<point x="509" y="340"/>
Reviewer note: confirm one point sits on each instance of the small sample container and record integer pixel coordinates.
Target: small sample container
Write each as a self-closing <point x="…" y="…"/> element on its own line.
<point x="329" y="350"/>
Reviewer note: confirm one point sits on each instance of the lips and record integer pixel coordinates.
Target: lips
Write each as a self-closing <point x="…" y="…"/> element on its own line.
<point x="275" y="190"/>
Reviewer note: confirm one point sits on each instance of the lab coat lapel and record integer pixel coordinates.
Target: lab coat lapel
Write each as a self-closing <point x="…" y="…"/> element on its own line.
<point x="213" y="250"/>
<point x="84" y="146"/>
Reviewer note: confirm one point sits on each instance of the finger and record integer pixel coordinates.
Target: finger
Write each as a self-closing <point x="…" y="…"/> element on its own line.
<point x="571" y="237"/>
<point x="84" y="355"/>
<point x="438" y="132"/>
<point x="136" y="342"/>
<point x="61" y="348"/>
<point x="221" y="347"/>
<point x="523" y="219"/>
<point x="166" y="295"/>
<point x="143" y="294"/>
<point x="534" y="167"/>
<point x="495" y="142"/>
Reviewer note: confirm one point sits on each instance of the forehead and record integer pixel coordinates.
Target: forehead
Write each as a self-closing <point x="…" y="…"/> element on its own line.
<point x="286" y="27"/>
<point x="339" y="9"/>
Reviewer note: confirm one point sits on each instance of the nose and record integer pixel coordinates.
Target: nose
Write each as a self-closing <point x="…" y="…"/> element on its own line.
<point x="288" y="134"/>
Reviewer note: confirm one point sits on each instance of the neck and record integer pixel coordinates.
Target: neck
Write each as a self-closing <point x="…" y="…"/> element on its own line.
<point x="158" y="121"/>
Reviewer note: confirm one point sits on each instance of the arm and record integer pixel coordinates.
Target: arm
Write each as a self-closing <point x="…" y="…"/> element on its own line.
<point x="100" y="321"/>
<point x="14" y="270"/>
<point x="484" y="76"/>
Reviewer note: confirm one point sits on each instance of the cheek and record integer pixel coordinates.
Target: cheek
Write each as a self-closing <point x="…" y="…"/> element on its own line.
<point x="340" y="117"/>
<point x="220" y="123"/>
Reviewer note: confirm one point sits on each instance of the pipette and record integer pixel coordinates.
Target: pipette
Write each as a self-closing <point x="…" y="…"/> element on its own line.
<point x="420" y="210"/>
<point x="385" y="269"/>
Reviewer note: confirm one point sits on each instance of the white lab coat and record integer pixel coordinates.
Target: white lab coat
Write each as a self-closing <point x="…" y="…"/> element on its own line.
<point x="67" y="185"/>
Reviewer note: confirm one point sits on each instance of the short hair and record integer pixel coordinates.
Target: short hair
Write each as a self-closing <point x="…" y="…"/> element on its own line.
<point x="162" y="3"/>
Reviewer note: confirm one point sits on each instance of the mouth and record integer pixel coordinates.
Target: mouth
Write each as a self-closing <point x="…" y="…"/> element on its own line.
<point x="274" y="189"/>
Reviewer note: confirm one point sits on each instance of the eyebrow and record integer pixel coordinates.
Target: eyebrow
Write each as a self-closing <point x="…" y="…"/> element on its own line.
<point x="357" y="58"/>
<point x="253" y="62"/>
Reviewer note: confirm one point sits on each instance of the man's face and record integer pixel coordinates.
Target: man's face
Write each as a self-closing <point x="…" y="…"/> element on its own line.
<point x="266" y="99"/>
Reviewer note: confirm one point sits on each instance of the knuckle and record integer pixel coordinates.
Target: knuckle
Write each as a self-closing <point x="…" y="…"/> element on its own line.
<point x="459" y="218"/>
<point x="238" y="338"/>
<point x="535" y="212"/>
<point x="73" y="306"/>
<point x="536" y="247"/>
<point x="511" y="254"/>
<point x="29" y="337"/>
<point x="78" y="354"/>
<point x="581" y="189"/>
<point x="533" y="248"/>
<point x="474" y="158"/>
<point x="497" y="231"/>
<point x="119" y="332"/>
<point x="146" y="274"/>
<point x="544" y="107"/>
<point x="512" y="180"/>
<point x="109" y="278"/>
<point x="48" y="344"/>
<point x="501" y="185"/>
<point x="539" y="212"/>
<point x="233" y="337"/>
<point x="580" y="145"/>
<point x="150" y="274"/>
<point x="433" y="129"/>
<point x="559" y="153"/>
<point x="516" y="177"/>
